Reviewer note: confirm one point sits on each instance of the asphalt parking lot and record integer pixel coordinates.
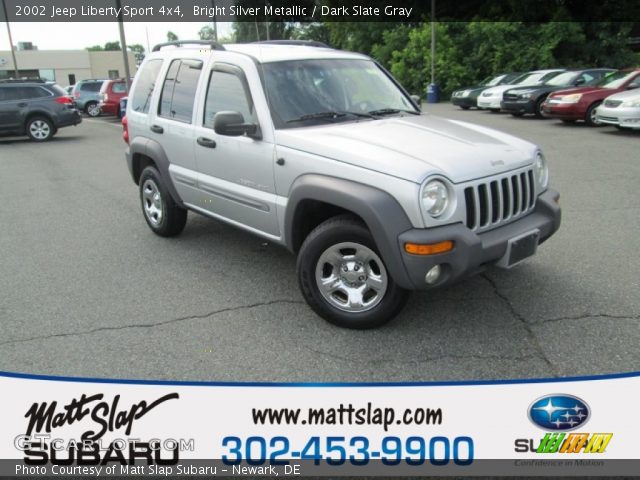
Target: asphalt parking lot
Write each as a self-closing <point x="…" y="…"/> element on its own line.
<point x="86" y="289"/>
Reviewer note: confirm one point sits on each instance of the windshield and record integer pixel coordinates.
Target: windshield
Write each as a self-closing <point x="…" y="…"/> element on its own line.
<point x="534" y="78"/>
<point x="309" y="92"/>
<point x="616" y="79"/>
<point x="563" y="79"/>
<point x="491" y="82"/>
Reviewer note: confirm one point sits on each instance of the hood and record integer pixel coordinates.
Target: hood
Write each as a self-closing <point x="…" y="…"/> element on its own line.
<point x="586" y="91"/>
<point x="499" y="90"/>
<point x="626" y="95"/>
<point x="414" y="147"/>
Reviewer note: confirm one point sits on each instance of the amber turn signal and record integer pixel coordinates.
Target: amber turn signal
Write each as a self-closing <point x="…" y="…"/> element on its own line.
<point x="428" y="249"/>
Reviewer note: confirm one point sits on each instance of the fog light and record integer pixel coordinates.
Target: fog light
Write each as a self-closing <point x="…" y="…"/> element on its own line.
<point x="433" y="275"/>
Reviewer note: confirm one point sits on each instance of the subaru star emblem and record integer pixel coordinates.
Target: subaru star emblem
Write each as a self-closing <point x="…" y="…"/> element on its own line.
<point x="559" y="412"/>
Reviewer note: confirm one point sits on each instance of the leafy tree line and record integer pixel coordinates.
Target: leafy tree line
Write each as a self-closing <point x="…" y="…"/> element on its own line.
<point x="467" y="52"/>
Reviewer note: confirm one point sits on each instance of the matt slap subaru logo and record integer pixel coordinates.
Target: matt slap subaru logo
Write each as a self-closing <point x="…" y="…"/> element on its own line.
<point x="559" y="412"/>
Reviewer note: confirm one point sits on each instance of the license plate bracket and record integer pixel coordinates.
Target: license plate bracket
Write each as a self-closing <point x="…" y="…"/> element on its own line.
<point x="520" y="248"/>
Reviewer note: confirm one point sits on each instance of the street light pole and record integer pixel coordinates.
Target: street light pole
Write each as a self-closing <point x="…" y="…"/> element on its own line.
<point x="13" y="52"/>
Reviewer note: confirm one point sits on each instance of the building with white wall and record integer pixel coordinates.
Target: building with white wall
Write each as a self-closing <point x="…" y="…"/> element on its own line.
<point x="65" y="67"/>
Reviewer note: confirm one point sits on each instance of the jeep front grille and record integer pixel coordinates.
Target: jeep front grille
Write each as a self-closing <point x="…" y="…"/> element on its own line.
<point x="493" y="202"/>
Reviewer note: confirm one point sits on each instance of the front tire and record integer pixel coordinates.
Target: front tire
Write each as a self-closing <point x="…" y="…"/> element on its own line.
<point x="163" y="216"/>
<point x="538" y="108"/>
<point x="40" y="129"/>
<point x="343" y="278"/>
<point x="590" y="118"/>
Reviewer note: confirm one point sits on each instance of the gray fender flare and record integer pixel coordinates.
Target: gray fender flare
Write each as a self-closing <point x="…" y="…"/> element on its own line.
<point x="381" y="212"/>
<point x="153" y="150"/>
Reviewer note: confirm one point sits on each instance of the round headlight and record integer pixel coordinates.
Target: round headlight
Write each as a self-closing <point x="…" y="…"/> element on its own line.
<point x="435" y="198"/>
<point x="542" y="172"/>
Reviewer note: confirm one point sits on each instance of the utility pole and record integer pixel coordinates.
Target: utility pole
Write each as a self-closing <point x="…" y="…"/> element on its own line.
<point x="215" y="22"/>
<point x="13" y="52"/>
<point x="123" y="43"/>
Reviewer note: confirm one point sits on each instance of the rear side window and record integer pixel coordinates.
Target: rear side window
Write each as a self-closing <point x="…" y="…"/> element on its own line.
<point x="91" y="87"/>
<point x="179" y="90"/>
<point x="119" y="87"/>
<point x="147" y="78"/>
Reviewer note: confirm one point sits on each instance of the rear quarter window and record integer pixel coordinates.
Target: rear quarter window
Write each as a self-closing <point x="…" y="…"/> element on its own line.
<point x="147" y="78"/>
<point x="119" y="87"/>
<point x="91" y="87"/>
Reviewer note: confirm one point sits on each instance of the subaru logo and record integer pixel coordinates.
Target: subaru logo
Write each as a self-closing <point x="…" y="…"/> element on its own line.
<point x="559" y="412"/>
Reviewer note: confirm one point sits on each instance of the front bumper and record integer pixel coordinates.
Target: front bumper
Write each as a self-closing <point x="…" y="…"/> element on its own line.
<point x="518" y="106"/>
<point x="473" y="252"/>
<point x="564" y="111"/>
<point x="627" y="117"/>
<point x="492" y="103"/>
<point x="467" y="101"/>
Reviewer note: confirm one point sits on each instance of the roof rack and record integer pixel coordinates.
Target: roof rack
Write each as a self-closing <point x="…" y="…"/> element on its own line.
<point x="23" y="80"/>
<point x="300" y="43"/>
<point x="178" y="43"/>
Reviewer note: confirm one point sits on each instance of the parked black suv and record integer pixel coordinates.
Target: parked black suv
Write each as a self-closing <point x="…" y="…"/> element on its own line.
<point x="35" y="108"/>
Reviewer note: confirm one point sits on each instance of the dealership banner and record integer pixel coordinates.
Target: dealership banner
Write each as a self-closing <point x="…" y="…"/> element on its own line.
<point x="54" y="426"/>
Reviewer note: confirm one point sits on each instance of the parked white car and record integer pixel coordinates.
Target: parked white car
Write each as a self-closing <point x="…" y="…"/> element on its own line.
<point x="490" y="99"/>
<point x="621" y="109"/>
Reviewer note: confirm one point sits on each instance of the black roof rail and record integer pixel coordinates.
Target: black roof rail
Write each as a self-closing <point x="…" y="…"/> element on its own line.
<point x="301" y="43"/>
<point x="23" y="80"/>
<point x="178" y="43"/>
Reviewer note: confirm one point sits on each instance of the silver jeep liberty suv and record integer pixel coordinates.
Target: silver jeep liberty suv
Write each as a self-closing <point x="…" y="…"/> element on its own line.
<point x="323" y="152"/>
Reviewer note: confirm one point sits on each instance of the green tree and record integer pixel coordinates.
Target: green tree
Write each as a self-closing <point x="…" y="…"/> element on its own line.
<point x="139" y="52"/>
<point x="112" y="46"/>
<point x="171" y="37"/>
<point x="206" y="33"/>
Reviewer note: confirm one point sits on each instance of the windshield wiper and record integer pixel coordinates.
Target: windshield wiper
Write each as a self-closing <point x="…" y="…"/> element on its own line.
<point x="329" y="115"/>
<point x="391" y="111"/>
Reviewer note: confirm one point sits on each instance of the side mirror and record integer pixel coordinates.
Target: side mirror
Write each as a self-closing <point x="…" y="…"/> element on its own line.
<point x="579" y="81"/>
<point x="231" y="124"/>
<point x="417" y="100"/>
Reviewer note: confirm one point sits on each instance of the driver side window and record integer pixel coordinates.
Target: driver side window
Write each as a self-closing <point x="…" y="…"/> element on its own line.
<point x="226" y="92"/>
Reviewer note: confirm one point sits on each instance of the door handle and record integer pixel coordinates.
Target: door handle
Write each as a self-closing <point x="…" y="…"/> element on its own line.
<point x="157" y="129"/>
<point x="23" y="104"/>
<point x="206" y="142"/>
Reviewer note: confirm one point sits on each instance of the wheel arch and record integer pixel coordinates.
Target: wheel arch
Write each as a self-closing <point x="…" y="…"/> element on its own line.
<point x="144" y="152"/>
<point x="315" y="198"/>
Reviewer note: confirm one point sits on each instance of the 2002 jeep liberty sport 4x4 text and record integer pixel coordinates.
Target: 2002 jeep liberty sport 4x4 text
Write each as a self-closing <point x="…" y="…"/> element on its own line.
<point x="323" y="152"/>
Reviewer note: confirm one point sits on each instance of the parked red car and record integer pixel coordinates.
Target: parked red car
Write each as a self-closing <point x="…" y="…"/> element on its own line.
<point x="111" y="93"/>
<point x="581" y="103"/>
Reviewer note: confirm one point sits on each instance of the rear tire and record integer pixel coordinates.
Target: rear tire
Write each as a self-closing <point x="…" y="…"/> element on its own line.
<point x="92" y="109"/>
<point x="464" y="107"/>
<point x="517" y="114"/>
<point x="343" y="278"/>
<point x="568" y="121"/>
<point x="161" y="213"/>
<point x="40" y="129"/>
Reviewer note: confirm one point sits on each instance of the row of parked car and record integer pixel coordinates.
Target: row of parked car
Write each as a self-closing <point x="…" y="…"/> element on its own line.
<point x="38" y="108"/>
<point x="99" y="96"/>
<point x="597" y="96"/>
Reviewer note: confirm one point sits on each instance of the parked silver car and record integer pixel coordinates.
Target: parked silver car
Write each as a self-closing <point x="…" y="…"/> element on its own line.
<point x="87" y="96"/>
<point x="621" y="109"/>
<point x="323" y="152"/>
